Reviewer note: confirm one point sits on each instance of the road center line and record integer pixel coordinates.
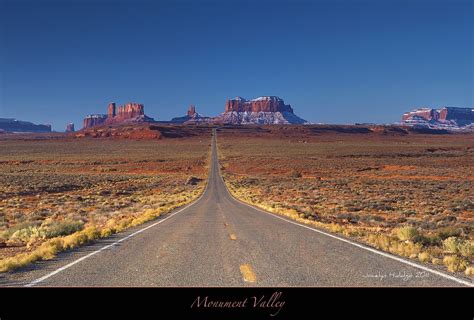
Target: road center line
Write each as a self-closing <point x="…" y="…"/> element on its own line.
<point x="247" y="273"/>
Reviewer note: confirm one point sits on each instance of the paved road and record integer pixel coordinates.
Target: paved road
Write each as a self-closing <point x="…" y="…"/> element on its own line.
<point x="218" y="241"/>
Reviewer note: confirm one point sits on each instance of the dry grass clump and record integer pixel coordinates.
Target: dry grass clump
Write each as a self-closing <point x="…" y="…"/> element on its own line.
<point x="406" y="233"/>
<point x="459" y="246"/>
<point x="455" y="263"/>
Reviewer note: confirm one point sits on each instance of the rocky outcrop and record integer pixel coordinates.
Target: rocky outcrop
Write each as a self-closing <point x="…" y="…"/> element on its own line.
<point x="191" y="117"/>
<point x="128" y="113"/>
<point x="143" y="131"/>
<point x="120" y="132"/>
<point x="262" y="110"/>
<point x="445" y="117"/>
<point x="111" y="110"/>
<point x="70" y="127"/>
<point x="192" y="111"/>
<point x="12" y="125"/>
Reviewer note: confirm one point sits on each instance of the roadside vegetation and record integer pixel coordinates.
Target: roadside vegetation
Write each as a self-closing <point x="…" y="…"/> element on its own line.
<point x="410" y="195"/>
<point x="57" y="195"/>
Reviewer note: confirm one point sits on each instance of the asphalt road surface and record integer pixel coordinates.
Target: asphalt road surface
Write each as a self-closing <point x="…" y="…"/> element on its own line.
<point x="219" y="241"/>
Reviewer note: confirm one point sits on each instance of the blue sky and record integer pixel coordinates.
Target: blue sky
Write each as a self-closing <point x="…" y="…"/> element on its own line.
<point x="333" y="61"/>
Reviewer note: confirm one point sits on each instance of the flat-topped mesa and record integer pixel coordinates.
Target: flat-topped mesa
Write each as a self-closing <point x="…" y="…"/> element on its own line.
<point x="130" y="112"/>
<point x="262" y="110"/>
<point x="260" y="104"/>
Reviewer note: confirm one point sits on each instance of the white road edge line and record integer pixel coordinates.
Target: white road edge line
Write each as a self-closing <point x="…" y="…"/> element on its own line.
<point x="387" y="255"/>
<point x="67" y="266"/>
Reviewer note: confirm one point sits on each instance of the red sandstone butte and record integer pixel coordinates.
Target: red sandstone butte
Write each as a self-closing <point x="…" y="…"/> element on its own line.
<point x="130" y="112"/>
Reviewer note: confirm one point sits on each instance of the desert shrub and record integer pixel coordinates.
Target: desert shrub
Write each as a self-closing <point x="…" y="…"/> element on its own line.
<point x="451" y="244"/>
<point x="6" y="234"/>
<point x="459" y="246"/>
<point x="406" y="233"/>
<point x="455" y="263"/>
<point x="106" y="232"/>
<point x="426" y="240"/>
<point x="466" y="249"/>
<point x="430" y="240"/>
<point x="193" y="180"/>
<point x="46" y="251"/>
<point x="26" y="234"/>
<point x="424" y="256"/>
<point x="380" y="241"/>
<point x="49" y="249"/>
<point x="49" y="229"/>
<point x="17" y="261"/>
<point x="295" y="174"/>
<point x="449" y="231"/>
<point x="409" y="249"/>
<point x="61" y="228"/>
<point x="76" y="239"/>
<point x="469" y="271"/>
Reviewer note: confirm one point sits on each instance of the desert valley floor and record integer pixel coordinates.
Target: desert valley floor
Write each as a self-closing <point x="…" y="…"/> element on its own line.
<point x="403" y="193"/>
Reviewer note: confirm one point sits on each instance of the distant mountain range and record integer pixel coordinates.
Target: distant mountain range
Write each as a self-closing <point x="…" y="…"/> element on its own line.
<point x="13" y="125"/>
<point x="265" y="110"/>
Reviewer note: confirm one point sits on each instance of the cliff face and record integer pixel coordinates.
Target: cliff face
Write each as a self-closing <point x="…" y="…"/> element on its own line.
<point x="462" y="116"/>
<point x="424" y="113"/>
<point x="12" y="125"/>
<point x="261" y="104"/>
<point x="130" y="112"/>
<point x="93" y="120"/>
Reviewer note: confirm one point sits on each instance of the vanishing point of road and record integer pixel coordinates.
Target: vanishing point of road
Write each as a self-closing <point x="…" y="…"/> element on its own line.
<point x="219" y="241"/>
